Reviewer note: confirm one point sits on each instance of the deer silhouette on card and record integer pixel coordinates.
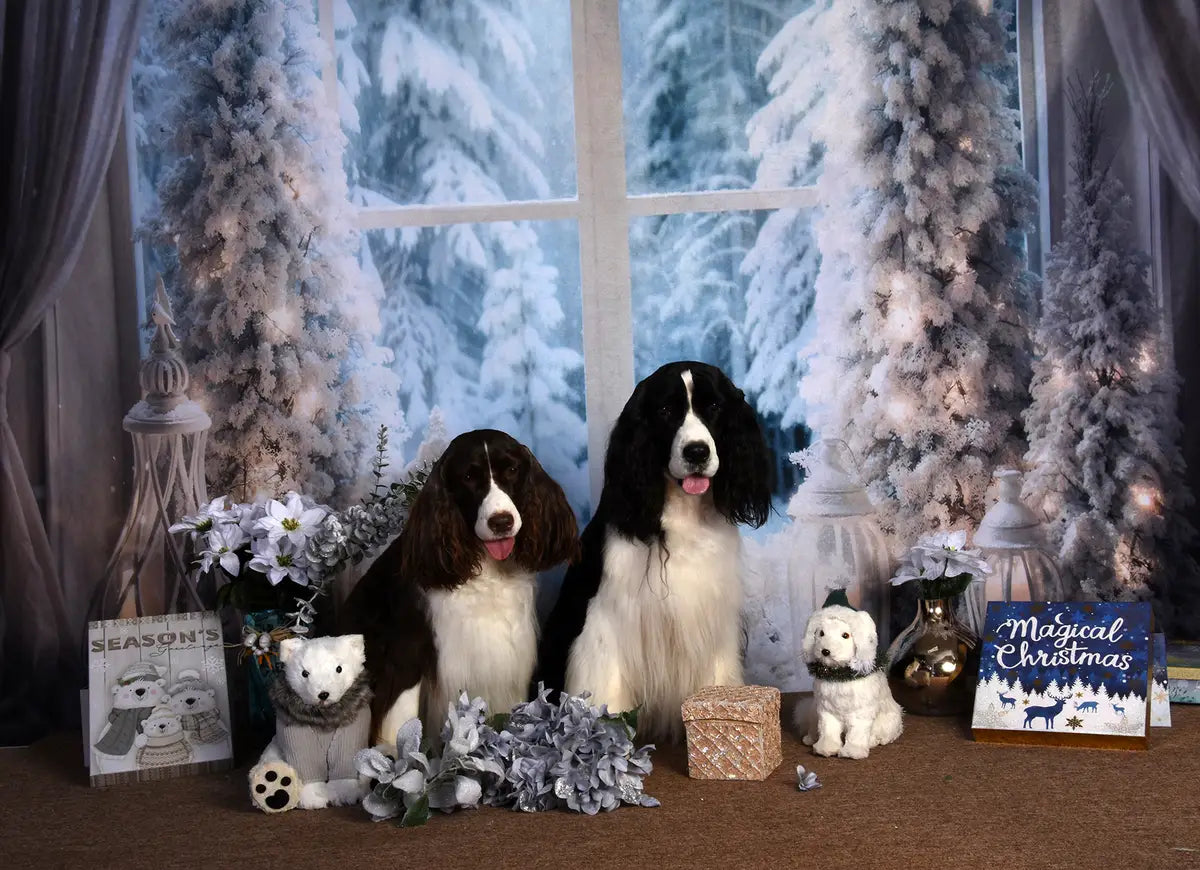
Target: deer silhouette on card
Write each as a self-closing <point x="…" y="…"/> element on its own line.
<point x="1047" y="712"/>
<point x="1088" y="706"/>
<point x="1007" y="702"/>
<point x="1120" y="711"/>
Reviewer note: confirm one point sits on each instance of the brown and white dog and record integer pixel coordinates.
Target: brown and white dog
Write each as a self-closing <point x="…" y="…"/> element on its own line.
<point x="450" y="605"/>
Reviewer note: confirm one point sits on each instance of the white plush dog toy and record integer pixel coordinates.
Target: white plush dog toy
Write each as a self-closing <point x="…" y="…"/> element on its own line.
<point x="853" y="708"/>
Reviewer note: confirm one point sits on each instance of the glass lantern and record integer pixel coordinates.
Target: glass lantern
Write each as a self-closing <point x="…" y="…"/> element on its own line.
<point x="836" y="542"/>
<point x="146" y="574"/>
<point x="1013" y="541"/>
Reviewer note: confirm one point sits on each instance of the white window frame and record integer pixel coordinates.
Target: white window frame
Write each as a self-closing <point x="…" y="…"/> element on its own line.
<point x="602" y="207"/>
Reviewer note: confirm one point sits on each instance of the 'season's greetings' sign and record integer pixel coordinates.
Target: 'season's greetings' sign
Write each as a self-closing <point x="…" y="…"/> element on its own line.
<point x="1071" y="673"/>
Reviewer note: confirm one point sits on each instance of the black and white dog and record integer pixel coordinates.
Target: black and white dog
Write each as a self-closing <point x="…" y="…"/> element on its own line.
<point x="449" y="606"/>
<point x="651" y="612"/>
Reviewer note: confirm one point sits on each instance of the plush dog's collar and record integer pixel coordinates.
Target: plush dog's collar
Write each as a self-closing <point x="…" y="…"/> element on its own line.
<point x="845" y="673"/>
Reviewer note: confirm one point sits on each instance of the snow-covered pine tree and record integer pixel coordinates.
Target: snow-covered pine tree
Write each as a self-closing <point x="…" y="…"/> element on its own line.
<point x="921" y="356"/>
<point x="279" y="335"/>
<point x="783" y="264"/>
<point x="689" y="106"/>
<point x="442" y="118"/>
<point x="525" y="378"/>
<point x="1106" y="466"/>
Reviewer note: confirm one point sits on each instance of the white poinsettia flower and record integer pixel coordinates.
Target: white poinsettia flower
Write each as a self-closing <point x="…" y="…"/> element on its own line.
<point x="279" y="560"/>
<point x="221" y="546"/>
<point x="292" y="520"/>
<point x="941" y="554"/>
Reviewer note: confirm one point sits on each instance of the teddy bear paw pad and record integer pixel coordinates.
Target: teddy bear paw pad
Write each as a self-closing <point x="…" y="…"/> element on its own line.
<point x="274" y="787"/>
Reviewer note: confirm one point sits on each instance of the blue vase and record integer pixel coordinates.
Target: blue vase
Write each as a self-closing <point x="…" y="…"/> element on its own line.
<point x="259" y="674"/>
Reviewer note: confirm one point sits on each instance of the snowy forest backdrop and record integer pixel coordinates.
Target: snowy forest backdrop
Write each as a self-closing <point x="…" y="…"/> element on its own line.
<point x="471" y="102"/>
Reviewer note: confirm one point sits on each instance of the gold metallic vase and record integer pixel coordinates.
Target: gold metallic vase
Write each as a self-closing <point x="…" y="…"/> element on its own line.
<point x="934" y="663"/>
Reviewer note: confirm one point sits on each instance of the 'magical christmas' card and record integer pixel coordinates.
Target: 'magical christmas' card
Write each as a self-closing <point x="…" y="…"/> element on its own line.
<point x="1066" y="674"/>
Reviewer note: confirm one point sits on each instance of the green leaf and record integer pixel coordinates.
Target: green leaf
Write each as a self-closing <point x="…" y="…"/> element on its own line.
<point x="417" y="814"/>
<point x="629" y="719"/>
<point x="499" y="721"/>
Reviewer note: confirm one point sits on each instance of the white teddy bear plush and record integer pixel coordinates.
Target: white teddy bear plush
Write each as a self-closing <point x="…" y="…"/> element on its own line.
<point x="322" y="718"/>
<point x="853" y="709"/>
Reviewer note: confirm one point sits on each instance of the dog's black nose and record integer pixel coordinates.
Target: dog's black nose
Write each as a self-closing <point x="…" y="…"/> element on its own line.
<point x="322" y="695"/>
<point x="190" y="701"/>
<point x="696" y="452"/>
<point x="501" y="523"/>
<point x="139" y="692"/>
<point x="824" y="652"/>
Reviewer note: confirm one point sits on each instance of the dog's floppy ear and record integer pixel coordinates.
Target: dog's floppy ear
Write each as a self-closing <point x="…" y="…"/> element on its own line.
<point x="549" y="533"/>
<point x="437" y="549"/>
<point x="814" y="624"/>
<point x="742" y="485"/>
<point x="635" y="486"/>
<point x="866" y="641"/>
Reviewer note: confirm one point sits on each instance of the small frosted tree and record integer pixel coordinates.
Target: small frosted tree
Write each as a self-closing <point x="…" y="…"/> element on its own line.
<point x="1107" y="470"/>
<point x="279" y="330"/>
<point x="921" y="357"/>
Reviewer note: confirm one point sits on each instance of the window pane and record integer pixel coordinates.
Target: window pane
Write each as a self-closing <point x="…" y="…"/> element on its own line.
<point x="462" y="102"/>
<point x="691" y="87"/>
<point x="733" y="289"/>
<point x="484" y="323"/>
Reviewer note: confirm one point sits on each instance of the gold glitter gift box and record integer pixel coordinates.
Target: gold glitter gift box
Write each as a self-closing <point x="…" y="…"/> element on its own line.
<point x="732" y="732"/>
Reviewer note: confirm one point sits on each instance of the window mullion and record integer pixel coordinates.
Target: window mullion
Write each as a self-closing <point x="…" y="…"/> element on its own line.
<point x="603" y="222"/>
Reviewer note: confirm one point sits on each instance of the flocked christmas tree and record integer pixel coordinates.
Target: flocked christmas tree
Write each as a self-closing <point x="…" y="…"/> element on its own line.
<point x="921" y="360"/>
<point x="280" y="329"/>
<point x="1107" y="470"/>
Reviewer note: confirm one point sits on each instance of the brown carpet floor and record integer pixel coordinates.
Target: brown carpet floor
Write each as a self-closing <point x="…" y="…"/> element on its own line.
<point x="935" y="799"/>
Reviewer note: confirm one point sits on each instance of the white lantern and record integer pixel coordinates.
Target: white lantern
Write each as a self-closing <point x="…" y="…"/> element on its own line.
<point x="836" y="542"/>
<point x="146" y="574"/>
<point x="1013" y="541"/>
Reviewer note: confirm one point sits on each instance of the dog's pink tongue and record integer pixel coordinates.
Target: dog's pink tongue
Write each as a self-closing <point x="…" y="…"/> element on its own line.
<point x="501" y="549"/>
<point x="695" y="484"/>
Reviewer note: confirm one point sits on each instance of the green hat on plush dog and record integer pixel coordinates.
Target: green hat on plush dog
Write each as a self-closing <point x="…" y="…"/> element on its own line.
<point x="837" y="598"/>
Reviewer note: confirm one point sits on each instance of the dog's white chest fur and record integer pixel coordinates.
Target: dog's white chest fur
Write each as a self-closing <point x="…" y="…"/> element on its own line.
<point x="486" y="636"/>
<point x="665" y="621"/>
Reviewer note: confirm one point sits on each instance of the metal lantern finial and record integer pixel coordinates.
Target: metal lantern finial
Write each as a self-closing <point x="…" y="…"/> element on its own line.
<point x="836" y="542"/>
<point x="1013" y="540"/>
<point x="146" y="573"/>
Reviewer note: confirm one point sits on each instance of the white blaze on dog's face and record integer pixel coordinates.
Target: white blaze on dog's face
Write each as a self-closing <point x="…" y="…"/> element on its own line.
<point x="497" y="521"/>
<point x="840" y="636"/>
<point x="320" y="670"/>
<point x="693" y="460"/>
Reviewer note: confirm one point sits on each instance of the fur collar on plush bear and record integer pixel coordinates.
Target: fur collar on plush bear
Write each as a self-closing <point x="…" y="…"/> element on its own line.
<point x="336" y="715"/>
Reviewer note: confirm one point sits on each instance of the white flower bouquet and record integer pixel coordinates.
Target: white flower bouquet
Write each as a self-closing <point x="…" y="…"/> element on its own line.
<point x="942" y="565"/>
<point x="277" y="554"/>
<point x="261" y="548"/>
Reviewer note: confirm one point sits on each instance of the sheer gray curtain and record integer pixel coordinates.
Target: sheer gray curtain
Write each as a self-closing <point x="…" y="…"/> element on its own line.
<point x="1157" y="44"/>
<point x="63" y="69"/>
